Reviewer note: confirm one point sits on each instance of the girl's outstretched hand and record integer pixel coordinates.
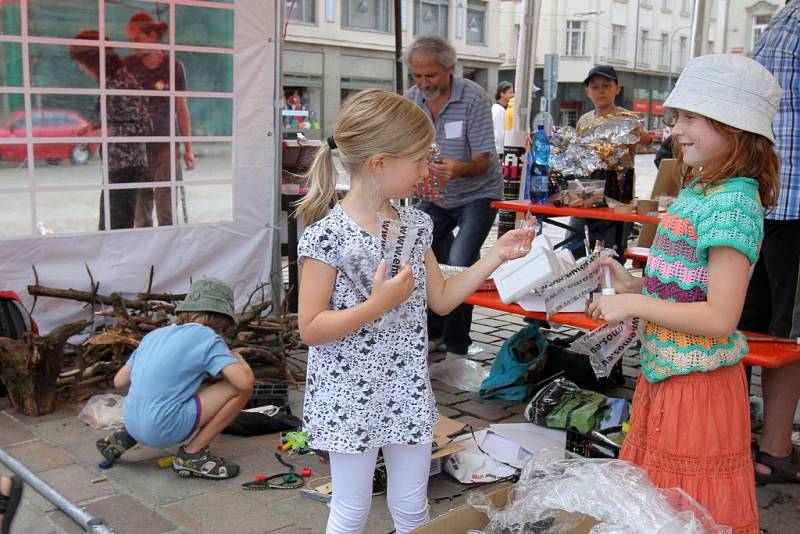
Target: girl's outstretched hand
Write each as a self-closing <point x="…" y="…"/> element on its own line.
<point x="514" y="244"/>
<point x="623" y="281"/>
<point x="613" y="308"/>
<point x="396" y="290"/>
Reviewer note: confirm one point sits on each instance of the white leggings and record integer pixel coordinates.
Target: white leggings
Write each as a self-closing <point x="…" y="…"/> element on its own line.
<point x="407" y="468"/>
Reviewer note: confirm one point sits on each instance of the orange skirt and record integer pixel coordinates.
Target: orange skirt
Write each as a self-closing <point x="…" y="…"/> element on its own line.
<point x="693" y="432"/>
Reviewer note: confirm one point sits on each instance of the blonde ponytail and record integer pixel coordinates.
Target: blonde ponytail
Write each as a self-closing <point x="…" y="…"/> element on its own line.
<point x="322" y="187"/>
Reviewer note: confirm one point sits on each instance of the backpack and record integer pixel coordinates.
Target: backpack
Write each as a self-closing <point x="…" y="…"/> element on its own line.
<point x="14" y="318"/>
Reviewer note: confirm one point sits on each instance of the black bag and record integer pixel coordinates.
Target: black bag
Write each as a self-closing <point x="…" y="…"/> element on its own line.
<point x="256" y="424"/>
<point x="576" y="367"/>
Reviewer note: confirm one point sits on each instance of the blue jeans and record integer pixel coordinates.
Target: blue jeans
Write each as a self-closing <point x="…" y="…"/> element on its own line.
<point x="474" y="221"/>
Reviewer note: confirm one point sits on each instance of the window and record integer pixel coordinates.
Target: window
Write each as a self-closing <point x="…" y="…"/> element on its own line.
<point x="666" y="5"/>
<point x="646" y="2"/>
<point x="710" y="47"/>
<point x="476" y="22"/>
<point x="302" y="11"/>
<point x="665" y="44"/>
<point x="643" y="46"/>
<point x="91" y="138"/>
<point x="682" y="51"/>
<point x="576" y="38"/>
<point x="372" y="15"/>
<point x="300" y="106"/>
<point x="617" y="41"/>
<point x="430" y="17"/>
<point x="569" y="117"/>
<point x="713" y="13"/>
<point x="685" y="7"/>
<point x="760" y="23"/>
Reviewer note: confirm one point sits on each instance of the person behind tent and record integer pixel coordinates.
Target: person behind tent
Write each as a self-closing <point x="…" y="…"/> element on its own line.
<point x="367" y="384"/>
<point x="504" y="93"/>
<point x="690" y="425"/>
<point x="164" y="405"/>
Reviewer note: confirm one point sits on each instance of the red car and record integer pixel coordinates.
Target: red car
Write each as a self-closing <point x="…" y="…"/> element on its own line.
<point x="46" y="123"/>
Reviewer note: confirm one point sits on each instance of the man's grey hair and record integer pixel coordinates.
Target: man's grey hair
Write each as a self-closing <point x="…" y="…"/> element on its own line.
<point x="432" y="44"/>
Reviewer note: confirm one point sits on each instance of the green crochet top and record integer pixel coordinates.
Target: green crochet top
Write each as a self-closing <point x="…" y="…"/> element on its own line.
<point x="728" y="214"/>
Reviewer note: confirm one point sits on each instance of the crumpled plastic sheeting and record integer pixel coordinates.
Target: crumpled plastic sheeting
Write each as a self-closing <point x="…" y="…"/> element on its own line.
<point x="614" y="492"/>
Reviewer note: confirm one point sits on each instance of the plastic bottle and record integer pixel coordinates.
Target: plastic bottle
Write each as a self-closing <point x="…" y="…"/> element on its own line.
<point x="539" y="180"/>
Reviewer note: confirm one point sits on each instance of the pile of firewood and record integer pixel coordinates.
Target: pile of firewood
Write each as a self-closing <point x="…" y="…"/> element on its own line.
<point x="32" y="368"/>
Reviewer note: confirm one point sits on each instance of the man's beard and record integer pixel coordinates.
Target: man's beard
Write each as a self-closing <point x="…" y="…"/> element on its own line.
<point x="432" y="94"/>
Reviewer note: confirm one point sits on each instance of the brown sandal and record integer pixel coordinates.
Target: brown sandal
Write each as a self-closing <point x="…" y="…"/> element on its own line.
<point x="784" y="470"/>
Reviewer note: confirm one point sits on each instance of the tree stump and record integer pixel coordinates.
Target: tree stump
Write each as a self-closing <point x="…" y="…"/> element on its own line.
<point x="29" y="368"/>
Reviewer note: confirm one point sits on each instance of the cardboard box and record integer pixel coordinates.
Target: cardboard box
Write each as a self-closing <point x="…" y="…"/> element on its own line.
<point x="666" y="184"/>
<point x="463" y="518"/>
<point x="443" y="433"/>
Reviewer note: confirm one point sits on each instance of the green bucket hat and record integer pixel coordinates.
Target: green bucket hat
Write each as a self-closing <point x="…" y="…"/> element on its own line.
<point x="209" y="295"/>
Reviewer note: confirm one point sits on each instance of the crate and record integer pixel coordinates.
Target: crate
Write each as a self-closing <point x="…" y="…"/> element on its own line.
<point x="589" y="446"/>
<point x="275" y="394"/>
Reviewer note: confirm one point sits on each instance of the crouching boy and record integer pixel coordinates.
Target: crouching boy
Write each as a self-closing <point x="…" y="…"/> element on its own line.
<point x="164" y="406"/>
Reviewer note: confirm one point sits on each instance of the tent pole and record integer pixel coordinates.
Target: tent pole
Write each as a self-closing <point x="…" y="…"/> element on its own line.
<point x="398" y="48"/>
<point x="276" y="269"/>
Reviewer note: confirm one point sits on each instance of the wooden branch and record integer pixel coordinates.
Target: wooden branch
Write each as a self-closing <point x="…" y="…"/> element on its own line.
<point x="165" y="297"/>
<point x="84" y="296"/>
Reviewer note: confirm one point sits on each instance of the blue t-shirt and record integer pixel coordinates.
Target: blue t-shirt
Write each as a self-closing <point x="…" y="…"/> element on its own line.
<point x="166" y="371"/>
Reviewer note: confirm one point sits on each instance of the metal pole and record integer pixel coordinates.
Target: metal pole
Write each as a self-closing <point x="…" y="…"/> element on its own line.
<point x="276" y="267"/>
<point x="95" y="525"/>
<point x="526" y="64"/>
<point x="398" y="48"/>
<point x="698" y="17"/>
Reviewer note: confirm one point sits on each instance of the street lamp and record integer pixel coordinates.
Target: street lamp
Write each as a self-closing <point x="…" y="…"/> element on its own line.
<point x="671" y="39"/>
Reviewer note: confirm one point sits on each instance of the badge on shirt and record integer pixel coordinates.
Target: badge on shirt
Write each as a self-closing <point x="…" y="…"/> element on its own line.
<point x="161" y="85"/>
<point x="452" y="130"/>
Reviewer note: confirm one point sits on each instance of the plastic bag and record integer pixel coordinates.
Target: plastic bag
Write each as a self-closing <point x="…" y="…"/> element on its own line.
<point x="521" y="353"/>
<point x="459" y="372"/>
<point x="562" y="404"/>
<point x="551" y="497"/>
<point x="606" y="345"/>
<point x="103" y="411"/>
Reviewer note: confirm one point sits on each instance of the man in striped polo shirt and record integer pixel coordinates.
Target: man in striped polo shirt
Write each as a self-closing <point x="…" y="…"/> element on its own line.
<point x="461" y="113"/>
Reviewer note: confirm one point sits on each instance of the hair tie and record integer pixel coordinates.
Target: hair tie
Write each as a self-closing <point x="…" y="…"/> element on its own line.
<point x="331" y="143"/>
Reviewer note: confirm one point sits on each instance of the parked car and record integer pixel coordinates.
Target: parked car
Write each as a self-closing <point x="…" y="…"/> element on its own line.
<point x="47" y="123"/>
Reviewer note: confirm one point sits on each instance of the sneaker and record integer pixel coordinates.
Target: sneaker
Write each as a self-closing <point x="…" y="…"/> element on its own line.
<point x="203" y="464"/>
<point x="436" y="345"/>
<point x="113" y="445"/>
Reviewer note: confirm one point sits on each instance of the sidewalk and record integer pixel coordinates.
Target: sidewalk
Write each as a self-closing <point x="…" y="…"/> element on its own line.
<point x="141" y="498"/>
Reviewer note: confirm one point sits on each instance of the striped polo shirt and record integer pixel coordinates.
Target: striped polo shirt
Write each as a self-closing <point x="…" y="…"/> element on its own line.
<point x="463" y="128"/>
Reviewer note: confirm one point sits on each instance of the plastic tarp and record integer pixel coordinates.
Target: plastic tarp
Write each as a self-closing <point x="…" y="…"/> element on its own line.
<point x="238" y="252"/>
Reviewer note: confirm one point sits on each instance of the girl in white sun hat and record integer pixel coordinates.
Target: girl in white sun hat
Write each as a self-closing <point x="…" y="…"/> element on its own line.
<point x="690" y="425"/>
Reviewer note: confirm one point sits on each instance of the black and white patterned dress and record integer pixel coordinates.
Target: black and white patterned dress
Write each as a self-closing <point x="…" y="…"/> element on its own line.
<point x="370" y="388"/>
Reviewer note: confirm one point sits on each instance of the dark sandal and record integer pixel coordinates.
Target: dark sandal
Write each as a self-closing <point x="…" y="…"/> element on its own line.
<point x="784" y="470"/>
<point x="114" y="445"/>
<point x="10" y="503"/>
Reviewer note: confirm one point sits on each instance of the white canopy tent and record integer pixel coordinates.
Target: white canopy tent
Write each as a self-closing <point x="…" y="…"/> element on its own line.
<point x="239" y="251"/>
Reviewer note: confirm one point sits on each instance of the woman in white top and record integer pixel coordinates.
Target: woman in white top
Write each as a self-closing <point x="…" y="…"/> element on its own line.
<point x="504" y="93"/>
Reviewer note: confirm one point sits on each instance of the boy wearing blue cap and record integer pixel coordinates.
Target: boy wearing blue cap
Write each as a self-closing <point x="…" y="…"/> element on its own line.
<point x="164" y="405"/>
<point x="602" y="87"/>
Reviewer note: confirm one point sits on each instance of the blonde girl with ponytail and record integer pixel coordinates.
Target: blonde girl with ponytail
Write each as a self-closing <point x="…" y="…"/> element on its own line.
<point x="367" y="382"/>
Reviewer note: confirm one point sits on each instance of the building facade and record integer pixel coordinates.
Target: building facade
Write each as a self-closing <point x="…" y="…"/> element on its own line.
<point x="335" y="47"/>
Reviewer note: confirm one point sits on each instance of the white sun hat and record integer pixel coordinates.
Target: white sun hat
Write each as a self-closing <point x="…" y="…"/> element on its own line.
<point x="731" y="89"/>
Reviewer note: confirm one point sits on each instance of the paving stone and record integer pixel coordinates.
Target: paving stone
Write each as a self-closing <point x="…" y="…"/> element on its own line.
<point x="477" y="424"/>
<point x="484" y="356"/>
<point x="67" y="430"/>
<point x="31" y="520"/>
<point x="72" y="481"/>
<point x="442" y="397"/>
<point x="516" y="418"/>
<point x="38" y="456"/>
<point x="244" y="512"/>
<point x="120" y="512"/>
<point x="446" y="411"/>
<point x="477" y="326"/>
<point x="64" y="410"/>
<point x="487" y="312"/>
<point x="483" y="338"/>
<point x="497" y="321"/>
<point x="486" y="411"/>
<point x="12" y="431"/>
<point x="441" y="386"/>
